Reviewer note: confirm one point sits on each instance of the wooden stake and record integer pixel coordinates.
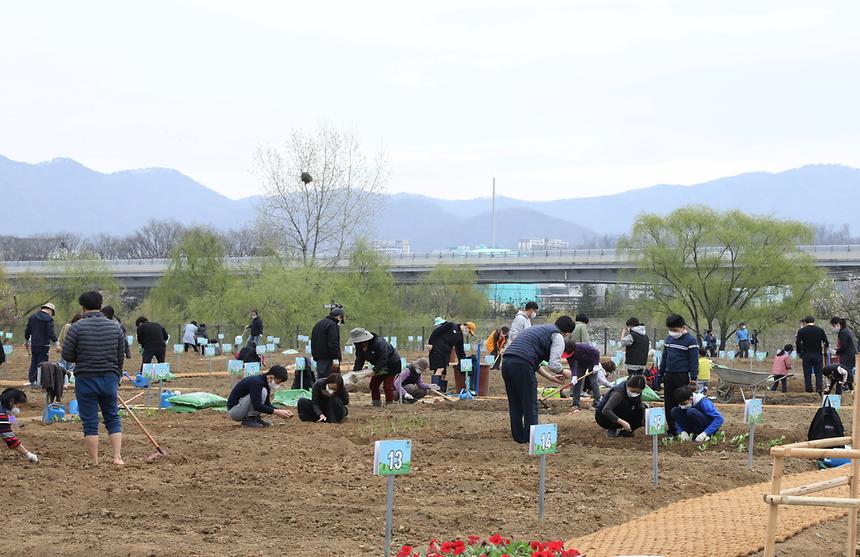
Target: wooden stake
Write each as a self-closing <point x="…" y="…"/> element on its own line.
<point x="773" y="511"/>
<point x="851" y="549"/>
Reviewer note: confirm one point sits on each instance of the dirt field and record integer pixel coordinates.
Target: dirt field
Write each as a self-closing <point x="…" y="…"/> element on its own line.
<point x="306" y="489"/>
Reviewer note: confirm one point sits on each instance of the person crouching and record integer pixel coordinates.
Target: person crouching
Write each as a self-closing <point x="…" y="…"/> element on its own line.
<point x="695" y="416"/>
<point x="409" y="386"/>
<point x="250" y="398"/>
<point x="621" y="411"/>
<point x="328" y="402"/>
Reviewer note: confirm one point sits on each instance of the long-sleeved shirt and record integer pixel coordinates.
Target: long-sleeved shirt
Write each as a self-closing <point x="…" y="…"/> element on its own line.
<point x="680" y="355"/>
<point x="781" y="364"/>
<point x="520" y="323"/>
<point x="742" y="335"/>
<point x="580" y="333"/>
<point x="256" y="326"/>
<point x="319" y="395"/>
<point x="189" y="334"/>
<point x="845" y="348"/>
<point x="584" y="355"/>
<point x="325" y="339"/>
<point x="615" y="398"/>
<point x="445" y="337"/>
<point x="96" y="345"/>
<point x="381" y="355"/>
<point x="151" y="335"/>
<point x="257" y="386"/>
<point x="409" y="376"/>
<point x="704" y="405"/>
<point x="811" y="339"/>
<point x="40" y="330"/>
<point x="537" y="344"/>
<point x="6" y="432"/>
<point x="600" y="373"/>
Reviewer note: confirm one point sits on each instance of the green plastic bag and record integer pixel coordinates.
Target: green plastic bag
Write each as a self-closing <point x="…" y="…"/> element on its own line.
<point x="290" y="397"/>
<point x="648" y="394"/>
<point x="198" y="400"/>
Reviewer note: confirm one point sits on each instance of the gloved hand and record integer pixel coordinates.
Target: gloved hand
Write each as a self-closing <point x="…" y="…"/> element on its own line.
<point x="702" y="437"/>
<point x="684" y="436"/>
<point x="407" y="396"/>
<point x="435" y="387"/>
<point x="32" y="458"/>
<point x="574" y="381"/>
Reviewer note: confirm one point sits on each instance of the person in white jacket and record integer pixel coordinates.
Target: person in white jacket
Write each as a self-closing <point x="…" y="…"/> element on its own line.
<point x="522" y="321"/>
<point x="189" y="336"/>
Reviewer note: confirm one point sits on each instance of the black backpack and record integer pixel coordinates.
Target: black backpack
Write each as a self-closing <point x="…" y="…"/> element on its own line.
<point x="826" y="423"/>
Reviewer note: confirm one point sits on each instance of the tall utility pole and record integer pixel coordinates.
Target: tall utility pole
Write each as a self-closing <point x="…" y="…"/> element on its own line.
<point x="494" y="212"/>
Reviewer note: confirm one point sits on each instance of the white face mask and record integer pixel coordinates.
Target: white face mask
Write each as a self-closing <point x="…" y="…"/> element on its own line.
<point x="274" y="386"/>
<point x="685" y="406"/>
<point x="835" y="329"/>
<point x="631" y="394"/>
<point x="16" y="411"/>
<point x="679" y="334"/>
<point x="329" y="390"/>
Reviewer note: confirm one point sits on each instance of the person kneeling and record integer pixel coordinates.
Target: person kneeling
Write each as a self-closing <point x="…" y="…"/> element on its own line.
<point x="328" y="402"/>
<point x="620" y="412"/>
<point x="250" y="398"/>
<point x="409" y="387"/>
<point x="695" y="417"/>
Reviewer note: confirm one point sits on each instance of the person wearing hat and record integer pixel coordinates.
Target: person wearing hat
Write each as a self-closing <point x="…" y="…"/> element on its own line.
<point x="443" y="339"/>
<point x="409" y="385"/>
<point x="325" y="341"/>
<point x="38" y="337"/>
<point x="375" y="350"/>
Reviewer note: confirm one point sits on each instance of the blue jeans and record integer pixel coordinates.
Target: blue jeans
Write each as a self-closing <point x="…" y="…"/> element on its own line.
<point x="96" y="392"/>
<point x="521" y="388"/>
<point x="691" y="420"/>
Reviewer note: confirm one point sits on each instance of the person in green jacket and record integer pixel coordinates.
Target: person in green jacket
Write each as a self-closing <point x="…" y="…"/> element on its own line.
<point x="580" y="332"/>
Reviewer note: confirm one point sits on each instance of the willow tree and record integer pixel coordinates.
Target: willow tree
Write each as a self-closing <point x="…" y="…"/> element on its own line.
<point x="718" y="269"/>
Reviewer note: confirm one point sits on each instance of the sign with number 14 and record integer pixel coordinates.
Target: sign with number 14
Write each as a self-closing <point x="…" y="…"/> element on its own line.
<point x="543" y="439"/>
<point x="392" y="457"/>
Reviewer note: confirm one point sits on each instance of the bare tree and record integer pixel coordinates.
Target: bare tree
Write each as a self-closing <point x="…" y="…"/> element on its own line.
<point x="245" y="242"/>
<point x="155" y="239"/>
<point x="105" y="246"/>
<point x="319" y="190"/>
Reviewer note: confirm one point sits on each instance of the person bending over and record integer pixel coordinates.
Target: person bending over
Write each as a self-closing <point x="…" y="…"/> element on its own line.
<point x="250" y="398"/>
<point x="375" y="350"/>
<point x="621" y="411"/>
<point x="582" y="357"/>
<point x="695" y="416"/>
<point x="328" y="402"/>
<point x="837" y="377"/>
<point x="10" y="405"/>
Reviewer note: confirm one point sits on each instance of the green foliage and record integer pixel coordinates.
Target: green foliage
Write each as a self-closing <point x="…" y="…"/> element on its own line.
<point x="717" y="269"/>
<point x="449" y="292"/>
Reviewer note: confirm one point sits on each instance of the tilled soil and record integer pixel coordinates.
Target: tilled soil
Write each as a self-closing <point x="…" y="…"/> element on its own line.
<point x="306" y="489"/>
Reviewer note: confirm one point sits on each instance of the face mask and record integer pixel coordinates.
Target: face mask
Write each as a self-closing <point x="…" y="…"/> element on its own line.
<point x="631" y="394"/>
<point x="679" y="334"/>
<point x="835" y="329"/>
<point x="274" y="386"/>
<point x="685" y="406"/>
<point x="329" y="390"/>
<point x="16" y="411"/>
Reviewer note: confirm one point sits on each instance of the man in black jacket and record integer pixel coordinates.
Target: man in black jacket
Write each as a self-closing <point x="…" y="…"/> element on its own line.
<point x="325" y="341"/>
<point x="152" y="337"/>
<point x="255" y="327"/>
<point x="96" y="345"/>
<point x="38" y="337"/>
<point x="811" y="342"/>
<point x="250" y="398"/>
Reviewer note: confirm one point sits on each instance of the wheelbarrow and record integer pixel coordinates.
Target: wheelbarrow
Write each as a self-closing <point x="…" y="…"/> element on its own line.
<point x="753" y="381"/>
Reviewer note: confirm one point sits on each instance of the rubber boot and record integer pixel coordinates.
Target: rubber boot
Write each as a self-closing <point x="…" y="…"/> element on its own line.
<point x="443" y="385"/>
<point x="377" y="403"/>
<point x="434" y="379"/>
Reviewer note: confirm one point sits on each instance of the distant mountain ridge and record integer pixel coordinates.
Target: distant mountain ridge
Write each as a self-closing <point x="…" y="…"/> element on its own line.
<point x="63" y="195"/>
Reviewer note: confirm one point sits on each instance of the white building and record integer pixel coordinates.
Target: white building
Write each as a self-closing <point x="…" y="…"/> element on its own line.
<point x="533" y="244"/>
<point x="392" y="248"/>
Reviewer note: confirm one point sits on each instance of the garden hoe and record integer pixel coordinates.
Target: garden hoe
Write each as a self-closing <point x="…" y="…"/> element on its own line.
<point x="159" y="451"/>
<point x="558" y="390"/>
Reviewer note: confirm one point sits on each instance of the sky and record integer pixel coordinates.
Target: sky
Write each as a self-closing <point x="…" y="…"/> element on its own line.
<point x="554" y="99"/>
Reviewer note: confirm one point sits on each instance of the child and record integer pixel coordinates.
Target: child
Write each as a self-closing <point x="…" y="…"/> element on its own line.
<point x="695" y="416"/>
<point x="781" y="365"/>
<point x="704" y="372"/>
<point x="680" y="362"/>
<point x="601" y="370"/>
<point x="837" y="376"/>
<point x="582" y="358"/>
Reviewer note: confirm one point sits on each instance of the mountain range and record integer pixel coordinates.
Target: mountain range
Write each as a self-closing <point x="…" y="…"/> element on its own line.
<point x="62" y="195"/>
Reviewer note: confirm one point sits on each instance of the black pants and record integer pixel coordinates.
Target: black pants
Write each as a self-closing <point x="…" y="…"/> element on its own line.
<point x="189" y="345"/>
<point x="636" y="418"/>
<point x="712" y="350"/>
<point x="780" y="380"/>
<point x="812" y="363"/>
<point x="672" y="381"/>
<point x="149" y="353"/>
<point x="38" y="354"/>
<point x="521" y="388"/>
<point x="590" y="384"/>
<point x="303" y="379"/>
<point x="744" y="349"/>
<point x="334" y="409"/>
<point x="323" y="368"/>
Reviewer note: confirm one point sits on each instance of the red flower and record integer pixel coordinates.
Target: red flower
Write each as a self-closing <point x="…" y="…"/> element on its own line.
<point x="555" y="546"/>
<point x="571" y="553"/>
<point x="536" y="546"/>
<point x="474" y="540"/>
<point x="405" y="551"/>
<point x="496" y="539"/>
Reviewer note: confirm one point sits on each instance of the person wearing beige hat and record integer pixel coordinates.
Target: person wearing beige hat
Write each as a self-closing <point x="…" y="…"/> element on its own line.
<point x="375" y="350"/>
<point x="38" y="337"/>
<point x="409" y="385"/>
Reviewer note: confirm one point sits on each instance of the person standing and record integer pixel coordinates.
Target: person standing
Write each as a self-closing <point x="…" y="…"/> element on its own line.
<point x="38" y="338"/>
<point x="63" y="332"/>
<point x="372" y="348"/>
<point x="96" y="345"/>
<point x="680" y="362"/>
<point x="522" y="320"/>
<point x="810" y="344"/>
<point x="710" y="340"/>
<point x="152" y="337"/>
<point x="522" y="361"/>
<point x="634" y="339"/>
<point x="189" y="336"/>
<point x="742" y="337"/>
<point x="255" y="328"/>
<point x="444" y="338"/>
<point x="325" y="341"/>
<point x="580" y="333"/>
<point x="110" y="313"/>
<point x="846" y="349"/>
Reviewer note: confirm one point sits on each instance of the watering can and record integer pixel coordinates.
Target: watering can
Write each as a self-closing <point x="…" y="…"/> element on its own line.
<point x="164" y="396"/>
<point x="138" y="380"/>
<point x="54" y="412"/>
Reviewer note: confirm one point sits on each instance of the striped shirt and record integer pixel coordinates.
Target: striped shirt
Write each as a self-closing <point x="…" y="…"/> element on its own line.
<point x="6" y="432"/>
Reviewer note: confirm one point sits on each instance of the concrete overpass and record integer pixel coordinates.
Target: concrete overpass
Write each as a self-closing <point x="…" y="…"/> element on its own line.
<point x="595" y="266"/>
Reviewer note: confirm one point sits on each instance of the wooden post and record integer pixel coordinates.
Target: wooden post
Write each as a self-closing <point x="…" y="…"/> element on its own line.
<point x="851" y="550"/>
<point x="773" y="512"/>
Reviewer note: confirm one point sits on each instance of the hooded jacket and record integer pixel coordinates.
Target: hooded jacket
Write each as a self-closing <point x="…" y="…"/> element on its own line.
<point x="520" y="323"/>
<point x="636" y="344"/>
<point x="381" y="355"/>
<point x="704" y="405"/>
<point x="40" y="329"/>
<point x="325" y="339"/>
<point x="680" y="355"/>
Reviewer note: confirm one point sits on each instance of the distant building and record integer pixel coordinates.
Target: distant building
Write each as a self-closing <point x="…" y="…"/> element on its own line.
<point x="391" y="247"/>
<point x="480" y="250"/>
<point x="534" y="244"/>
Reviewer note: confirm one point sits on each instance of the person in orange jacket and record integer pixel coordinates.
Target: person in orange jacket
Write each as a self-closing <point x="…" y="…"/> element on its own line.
<point x="495" y="345"/>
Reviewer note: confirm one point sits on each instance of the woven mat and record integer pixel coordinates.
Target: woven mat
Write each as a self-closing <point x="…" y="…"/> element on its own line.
<point x="727" y="524"/>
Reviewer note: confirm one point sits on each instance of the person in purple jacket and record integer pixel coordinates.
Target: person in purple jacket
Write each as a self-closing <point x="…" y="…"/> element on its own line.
<point x="582" y="357"/>
<point x="409" y="386"/>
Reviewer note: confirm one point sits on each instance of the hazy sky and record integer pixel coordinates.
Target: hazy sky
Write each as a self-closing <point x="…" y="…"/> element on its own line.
<point x="555" y="99"/>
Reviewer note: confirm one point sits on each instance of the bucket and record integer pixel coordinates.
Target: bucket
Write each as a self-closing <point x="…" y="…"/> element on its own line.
<point x="73" y="407"/>
<point x="54" y="412"/>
